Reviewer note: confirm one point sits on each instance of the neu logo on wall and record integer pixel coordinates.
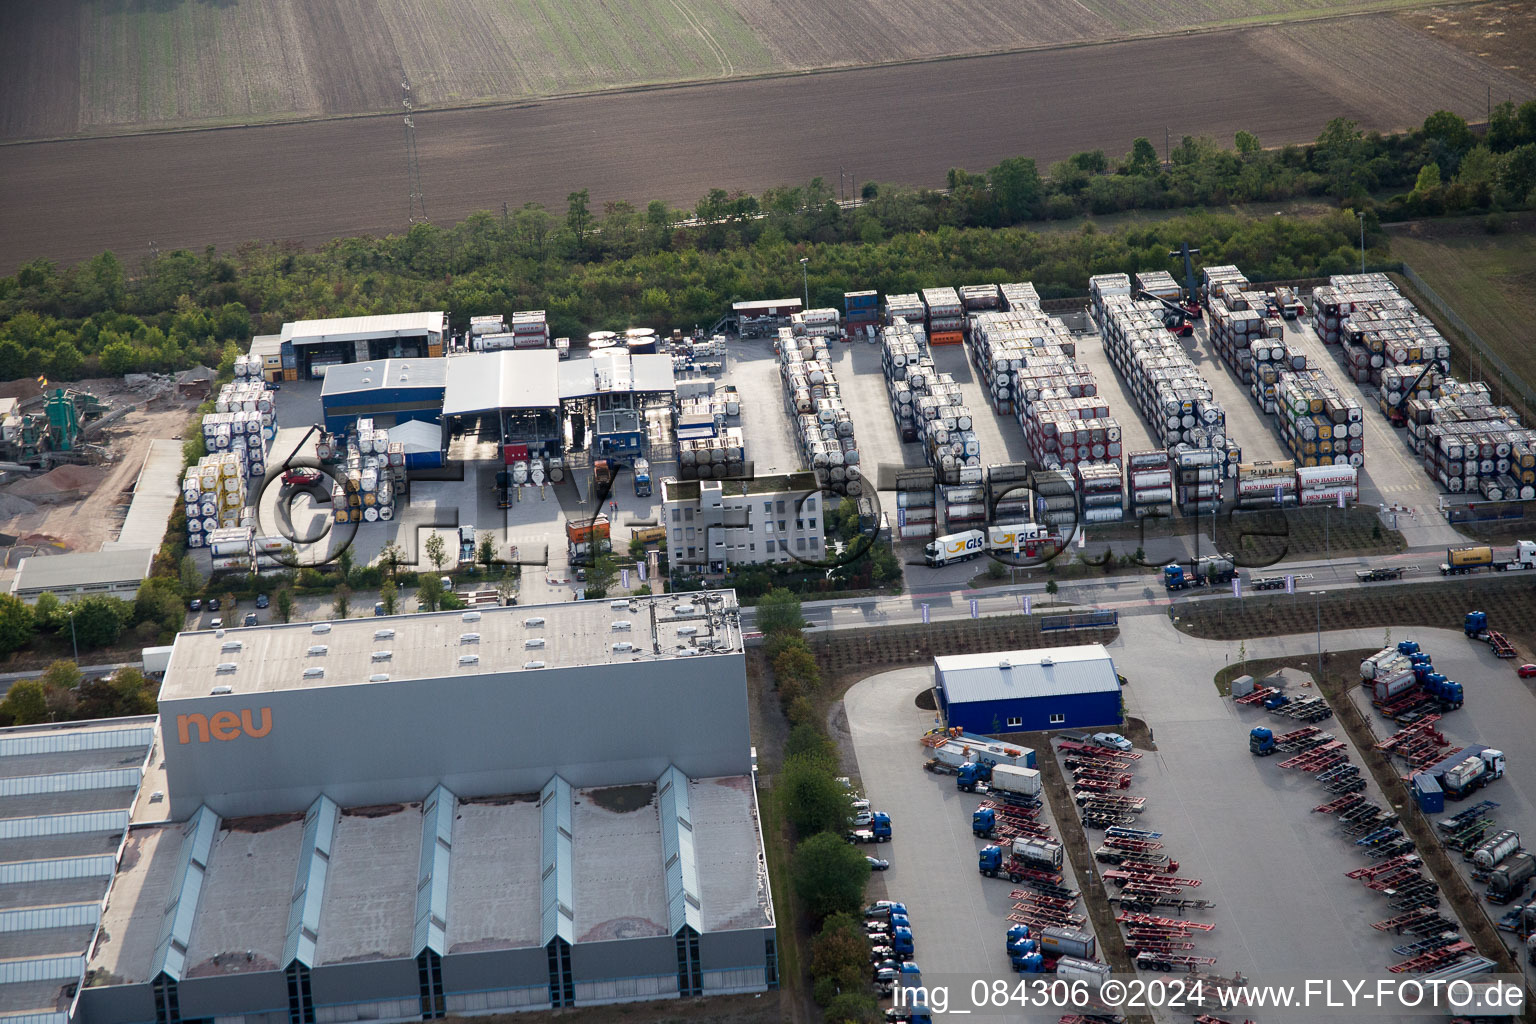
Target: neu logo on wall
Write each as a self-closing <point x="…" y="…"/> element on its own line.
<point x="223" y="725"/>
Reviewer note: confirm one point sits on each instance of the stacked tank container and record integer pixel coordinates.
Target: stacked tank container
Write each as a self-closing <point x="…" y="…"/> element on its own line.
<point x="233" y="548"/>
<point x="980" y="298"/>
<point x="721" y="405"/>
<point x="244" y="418"/>
<point x="816" y="323"/>
<point x="907" y="368"/>
<point x="1403" y="384"/>
<point x="1319" y="424"/>
<point x="1376" y="325"/>
<point x="214" y="493"/>
<point x="1104" y="287"/>
<point x="1008" y="493"/>
<point x="1102" y="491"/>
<point x="861" y="310"/>
<point x="1022" y="352"/>
<point x="1176" y="401"/>
<point x="1149" y="480"/>
<point x="249" y="367"/>
<point x="1269" y="484"/>
<point x="530" y="329"/>
<point x="1471" y="446"/>
<point x="908" y="307"/>
<point x="1327" y="485"/>
<point x="371" y="475"/>
<point x="1159" y="283"/>
<point x="1064" y="432"/>
<point x="823" y="425"/>
<point x="916" y="504"/>
<point x="945" y="316"/>
<point x="1055" y="497"/>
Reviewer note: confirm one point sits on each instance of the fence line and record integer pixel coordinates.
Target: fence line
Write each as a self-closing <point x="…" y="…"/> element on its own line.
<point x="1509" y="378"/>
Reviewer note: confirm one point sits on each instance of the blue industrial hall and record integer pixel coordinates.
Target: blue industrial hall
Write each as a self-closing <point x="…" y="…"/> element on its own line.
<point x="389" y="391"/>
<point x="1028" y="691"/>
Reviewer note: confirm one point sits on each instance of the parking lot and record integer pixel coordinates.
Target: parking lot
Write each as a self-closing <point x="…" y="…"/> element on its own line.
<point x="959" y="916"/>
<point x="1500" y="712"/>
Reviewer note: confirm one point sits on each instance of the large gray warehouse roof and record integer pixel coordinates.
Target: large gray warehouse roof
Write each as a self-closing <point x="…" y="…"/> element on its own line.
<point x="358" y="328"/>
<point x="106" y="570"/>
<point x="645" y="373"/>
<point x="514" y="379"/>
<point x="384" y="373"/>
<point x="354" y="651"/>
<point x="1008" y="675"/>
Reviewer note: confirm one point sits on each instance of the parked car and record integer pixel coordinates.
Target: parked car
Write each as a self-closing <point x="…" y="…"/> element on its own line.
<point x="1527" y="671"/>
<point x="301" y="476"/>
<point x="213" y="604"/>
<point x="196" y="605"/>
<point x="876" y="864"/>
<point x="216" y="623"/>
<point x="275" y="385"/>
<point x="250" y="618"/>
<point x="1113" y="740"/>
<point x="262" y="601"/>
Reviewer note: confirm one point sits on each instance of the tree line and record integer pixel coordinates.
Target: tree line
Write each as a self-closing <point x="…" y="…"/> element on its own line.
<point x="658" y="266"/>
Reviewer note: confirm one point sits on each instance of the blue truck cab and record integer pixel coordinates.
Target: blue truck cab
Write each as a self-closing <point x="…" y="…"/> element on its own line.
<point x="972" y="773"/>
<point x="1475" y="623"/>
<point x="901" y="942"/>
<point x="880" y="825"/>
<point x="984" y="822"/>
<point x="1261" y="742"/>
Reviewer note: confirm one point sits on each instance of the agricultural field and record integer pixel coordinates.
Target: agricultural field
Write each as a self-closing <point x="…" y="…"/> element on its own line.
<point x="315" y="181"/>
<point x="1502" y="34"/>
<point x="105" y="66"/>
<point x="1490" y="280"/>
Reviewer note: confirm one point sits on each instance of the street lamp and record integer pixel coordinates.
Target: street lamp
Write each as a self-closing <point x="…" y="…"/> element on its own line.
<point x="1362" y="240"/>
<point x="1319" y="595"/>
<point x="72" y="641"/>
<point x="805" y="277"/>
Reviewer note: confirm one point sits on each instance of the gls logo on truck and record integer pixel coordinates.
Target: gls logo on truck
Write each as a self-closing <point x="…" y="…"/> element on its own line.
<point x="223" y="725"/>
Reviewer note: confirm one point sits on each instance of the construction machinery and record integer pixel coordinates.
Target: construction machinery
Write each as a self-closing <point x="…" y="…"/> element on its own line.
<point x="56" y="434"/>
<point x="1191" y="304"/>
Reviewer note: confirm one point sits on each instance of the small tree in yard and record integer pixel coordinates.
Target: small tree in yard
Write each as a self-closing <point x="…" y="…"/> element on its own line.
<point x="601" y="575"/>
<point x="840" y="952"/>
<point x="1051" y="587"/>
<point x="390" y="557"/>
<point x="830" y="874"/>
<point x="437" y="551"/>
<point x="486" y="552"/>
<point x="25" y="703"/>
<point x="814" y="801"/>
<point x="779" y="610"/>
<point x="389" y="596"/>
<point x="429" y="594"/>
<point x="344" y="563"/>
<point x="343" y="601"/>
<point x="16" y="624"/>
<point x="285" y="604"/>
<point x="191" y="578"/>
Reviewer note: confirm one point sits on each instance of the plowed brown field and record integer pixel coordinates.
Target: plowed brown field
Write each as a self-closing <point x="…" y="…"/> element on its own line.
<point x="908" y="124"/>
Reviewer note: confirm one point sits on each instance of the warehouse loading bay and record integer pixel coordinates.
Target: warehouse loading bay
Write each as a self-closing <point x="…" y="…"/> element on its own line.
<point x="1275" y="871"/>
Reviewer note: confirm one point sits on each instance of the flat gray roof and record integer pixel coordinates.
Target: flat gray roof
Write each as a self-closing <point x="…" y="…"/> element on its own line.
<point x="728" y="847"/>
<point x="429" y="646"/>
<point x="266" y="345"/>
<point x="115" y="565"/>
<point x="135" y="905"/>
<point x="51" y="893"/>
<point x="479" y="382"/>
<point x="369" y="911"/>
<point x="635" y="373"/>
<point x="618" y="872"/>
<point x="1009" y="675"/>
<point x="493" y="883"/>
<point x="67" y="762"/>
<point x="243" y="907"/>
<point x="359" y="328"/>
<point x="156" y="491"/>
<point x="378" y="374"/>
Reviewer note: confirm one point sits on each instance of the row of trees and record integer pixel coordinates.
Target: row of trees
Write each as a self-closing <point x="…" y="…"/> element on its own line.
<point x="62" y="694"/>
<point x="660" y="266"/>
<point x="829" y="874"/>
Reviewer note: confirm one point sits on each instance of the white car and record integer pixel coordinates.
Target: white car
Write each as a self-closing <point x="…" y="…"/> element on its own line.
<point x="1113" y="740"/>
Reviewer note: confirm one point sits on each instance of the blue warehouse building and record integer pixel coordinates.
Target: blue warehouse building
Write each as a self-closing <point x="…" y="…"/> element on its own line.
<point x="391" y="391"/>
<point x="1028" y="691"/>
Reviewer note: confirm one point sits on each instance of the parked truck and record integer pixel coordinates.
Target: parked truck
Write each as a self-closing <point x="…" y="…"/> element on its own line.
<point x="1023" y="855"/>
<point x="877" y="831"/>
<point x="642" y="472"/>
<point x="1477" y="557"/>
<point x="1090" y="972"/>
<point x="1509" y="879"/>
<point x="1491" y="852"/>
<point x="1059" y="941"/>
<point x="466" y="547"/>
<point x="1468" y="770"/>
<point x="1476" y="626"/>
<point x="1261" y="742"/>
<point x="1207" y="570"/>
<point x="1028" y="539"/>
<point x="955" y="547"/>
<point x="1016" y="787"/>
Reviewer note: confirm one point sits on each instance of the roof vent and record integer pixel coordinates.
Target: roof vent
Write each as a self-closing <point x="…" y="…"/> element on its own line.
<point x="688" y="652"/>
<point x="469" y="659"/>
<point x="471" y="616"/>
<point x="1004" y="663"/>
<point x="622" y="625"/>
<point x="367" y="380"/>
<point x="318" y="650"/>
<point x="383" y="655"/>
<point x="537" y="620"/>
<point x="383" y="634"/>
<point x="623" y="647"/>
<point x="218" y="632"/>
<point x="219" y="691"/>
<point x="157" y="796"/>
<point x="682" y="609"/>
<point x="231" y="645"/>
<point x="469" y="638"/>
<point x="226" y="667"/>
<point x="618" y="604"/>
<point x="687" y="630"/>
<point x="533" y="664"/>
<point x="379" y="677"/>
<point x="320" y="628"/>
<point x="1046" y="662"/>
<point x="532" y="642"/>
<point x="314" y="673"/>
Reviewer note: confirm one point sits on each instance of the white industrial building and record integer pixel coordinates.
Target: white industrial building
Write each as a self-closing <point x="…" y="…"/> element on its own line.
<point x="712" y="524"/>
<point x="401" y="818"/>
<point x="112" y="570"/>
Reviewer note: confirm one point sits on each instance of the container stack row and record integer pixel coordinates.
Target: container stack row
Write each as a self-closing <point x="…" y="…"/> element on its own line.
<point x="861" y="310"/>
<point x="1176" y="401"/>
<point x="530" y="329"/>
<point x="823" y="425"/>
<point x="370" y="475"/>
<point x="707" y="458"/>
<point x="945" y="316"/>
<point x="1471" y="446"/>
<point x="980" y="298"/>
<point x="1263" y="485"/>
<point x="1149" y="483"/>
<point x="916" y="501"/>
<point x="1319" y="424"/>
<point x="244" y="418"/>
<point x="1055" y="497"/>
<point x="248" y="367"/>
<point x="1101" y="289"/>
<point x="908" y="307"/>
<point x="907" y="368"/>
<point x="1328" y="485"/>
<point x="213" y="493"/>
<point x="1066" y="432"/>
<point x="721" y="405"/>
<point x="1377" y="327"/>
<point x="1021" y="353"/>
<point x="1102" y="491"/>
